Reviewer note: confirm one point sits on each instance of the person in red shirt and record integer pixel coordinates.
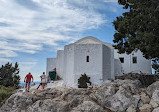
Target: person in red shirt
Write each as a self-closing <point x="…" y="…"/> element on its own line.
<point x="27" y="79"/>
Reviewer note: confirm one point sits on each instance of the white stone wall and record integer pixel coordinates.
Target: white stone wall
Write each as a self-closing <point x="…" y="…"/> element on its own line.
<point x="108" y="63"/>
<point x="111" y="58"/>
<point x="60" y="63"/>
<point x="103" y="62"/>
<point x="128" y="66"/>
<point x="112" y="63"/>
<point x="117" y="67"/>
<point x="51" y="64"/>
<point x="68" y="72"/>
<point x="93" y="68"/>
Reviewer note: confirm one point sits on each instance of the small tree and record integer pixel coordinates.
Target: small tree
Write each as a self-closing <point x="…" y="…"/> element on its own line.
<point x="9" y="75"/>
<point x="83" y="80"/>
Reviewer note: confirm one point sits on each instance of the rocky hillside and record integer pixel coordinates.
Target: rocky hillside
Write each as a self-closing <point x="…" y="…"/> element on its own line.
<point x="119" y="96"/>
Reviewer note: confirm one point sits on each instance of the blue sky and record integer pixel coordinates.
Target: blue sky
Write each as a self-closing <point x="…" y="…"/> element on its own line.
<point x="32" y="30"/>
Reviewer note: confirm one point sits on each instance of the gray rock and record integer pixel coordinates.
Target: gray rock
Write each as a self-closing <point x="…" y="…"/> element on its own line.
<point x="75" y="96"/>
<point x="136" y="101"/>
<point x="145" y="98"/>
<point x="155" y="96"/>
<point x="88" y="106"/>
<point x="131" y="109"/>
<point x="140" y="104"/>
<point x="48" y="93"/>
<point x="156" y="109"/>
<point x="18" y="102"/>
<point x="49" y="106"/>
<point x="146" y="108"/>
<point x="104" y="94"/>
<point x="122" y="95"/>
<point x="117" y="99"/>
<point x="48" y="100"/>
<point x="133" y="85"/>
<point x="152" y="88"/>
<point x="153" y="103"/>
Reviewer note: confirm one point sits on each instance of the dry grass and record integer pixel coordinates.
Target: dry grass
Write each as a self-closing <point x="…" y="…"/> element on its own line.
<point x="5" y="93"/>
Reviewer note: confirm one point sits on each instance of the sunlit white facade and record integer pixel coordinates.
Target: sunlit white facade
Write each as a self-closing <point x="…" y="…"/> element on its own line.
<point x="99" y="60"/>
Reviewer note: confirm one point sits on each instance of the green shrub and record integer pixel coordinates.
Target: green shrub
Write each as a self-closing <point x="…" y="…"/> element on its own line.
<point x="83" y="80"/>
<point x="5" y="93"/>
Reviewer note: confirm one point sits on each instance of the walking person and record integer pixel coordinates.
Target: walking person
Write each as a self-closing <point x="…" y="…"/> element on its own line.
<point x="43" y="80"/>
<point x="27" y="79"/>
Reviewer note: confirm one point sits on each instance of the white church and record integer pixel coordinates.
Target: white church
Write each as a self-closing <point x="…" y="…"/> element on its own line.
<point x="99" y="60"/>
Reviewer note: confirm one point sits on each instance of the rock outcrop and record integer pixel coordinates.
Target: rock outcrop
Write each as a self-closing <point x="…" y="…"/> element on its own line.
<point x="152" y="88"/>
<point x="118" y="96"/>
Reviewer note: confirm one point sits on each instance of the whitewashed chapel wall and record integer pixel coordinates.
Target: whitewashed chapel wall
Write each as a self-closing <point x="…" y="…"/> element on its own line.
<point x="60" y="63"/>
<point x="93" y="68"/>
<point x="68" y="71"/>
<point x="117" y="67"/>
<point x="51" y="64"/>
<point x="128" y="66"/>
<point x="108" y="63"/>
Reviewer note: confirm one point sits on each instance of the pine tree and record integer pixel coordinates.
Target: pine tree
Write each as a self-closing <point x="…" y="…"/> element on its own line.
<point x="138" y="28"/>
<point x="9" y="75"/>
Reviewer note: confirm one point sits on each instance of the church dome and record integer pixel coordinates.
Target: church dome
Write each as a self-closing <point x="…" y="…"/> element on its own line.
<point x="89" y="40"/>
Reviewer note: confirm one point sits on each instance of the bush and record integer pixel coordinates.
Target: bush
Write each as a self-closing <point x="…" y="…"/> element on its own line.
<point x="5" y="93"/>
<point x="83" y="80"/>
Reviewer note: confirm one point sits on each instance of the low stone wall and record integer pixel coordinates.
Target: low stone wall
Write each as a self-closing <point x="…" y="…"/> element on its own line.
<point x="145" y="79"/>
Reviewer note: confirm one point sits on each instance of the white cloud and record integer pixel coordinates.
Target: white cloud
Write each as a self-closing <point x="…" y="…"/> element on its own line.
<point x="11" y="47"/>
<point x="30" y="25"/>
<point x="110" y="0"/>
<point x="50" y="22"/>
<point x="25" y="68"/>
<point x="4" y="61"/>
<point x="7" y="53"/>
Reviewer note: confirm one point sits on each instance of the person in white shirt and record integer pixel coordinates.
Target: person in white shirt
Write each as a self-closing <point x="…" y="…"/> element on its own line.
<point x="43" y="80"/>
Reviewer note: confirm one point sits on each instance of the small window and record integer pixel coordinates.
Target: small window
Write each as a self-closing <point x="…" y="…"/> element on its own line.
<point x="87" y="59"/>
<point x="121" y="60"/>
<point x="134" y="59"/>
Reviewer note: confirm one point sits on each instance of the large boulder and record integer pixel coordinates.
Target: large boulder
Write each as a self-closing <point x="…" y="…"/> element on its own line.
<point x="18" y="102"/>
<point x="75" y="96"/>
<point x="117" y="96"/>
<point x="153" y="103"/>
<point x="155" y="96"/>
<point x="146" y="108"/>
<point x="145" y="98"/>
<point x="88" y="106"/>
<point x="49" y="105"/>
<point x="150" y="89"/>
<point x="136" y="100"/>
<point x="156" y="109"/>
<point x="48" y="100"/>
<point x="133" y="85"/>
<point x="131" y="109"/>
<point x="103" y="94"/>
